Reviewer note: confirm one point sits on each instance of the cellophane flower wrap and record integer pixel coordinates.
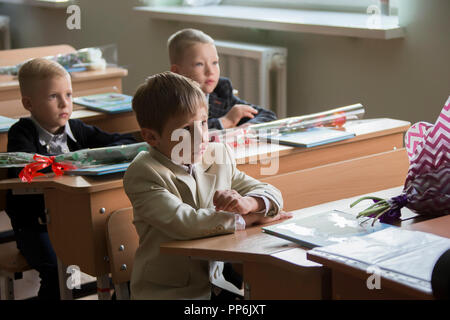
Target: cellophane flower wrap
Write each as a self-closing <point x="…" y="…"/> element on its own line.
<point x="427" y="185"/>
<point x="84" y="158"/>
<point x="238" y="137"/>
<point x="335" y="118"/>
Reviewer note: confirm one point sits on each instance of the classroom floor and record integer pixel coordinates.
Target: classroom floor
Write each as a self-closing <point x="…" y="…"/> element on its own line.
<point x="28" y="286"/>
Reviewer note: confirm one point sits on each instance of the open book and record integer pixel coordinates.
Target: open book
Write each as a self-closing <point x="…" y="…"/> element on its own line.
<point x="6" y="123"/>
<point x="323" y="228"/>
<point x="106" y="102"/>
<point x="401" y="255"/>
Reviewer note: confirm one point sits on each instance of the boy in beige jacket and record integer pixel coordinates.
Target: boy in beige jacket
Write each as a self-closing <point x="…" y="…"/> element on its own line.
<point x="185" y="188"/>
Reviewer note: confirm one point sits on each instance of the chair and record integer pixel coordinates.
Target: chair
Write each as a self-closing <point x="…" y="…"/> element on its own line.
<point x="12" y="265"/>
<point x="122" y="241"/>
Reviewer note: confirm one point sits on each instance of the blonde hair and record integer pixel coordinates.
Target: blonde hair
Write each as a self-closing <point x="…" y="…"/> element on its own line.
<point x="183" y="39"/>
<point x="38" y="69"/>
<point x="166" y="95"/>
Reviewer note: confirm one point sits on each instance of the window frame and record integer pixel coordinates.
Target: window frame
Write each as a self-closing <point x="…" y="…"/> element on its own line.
<point x="327" y="5"/>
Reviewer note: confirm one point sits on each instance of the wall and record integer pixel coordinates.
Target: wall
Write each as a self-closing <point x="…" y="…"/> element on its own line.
<point x="404" y="78"/>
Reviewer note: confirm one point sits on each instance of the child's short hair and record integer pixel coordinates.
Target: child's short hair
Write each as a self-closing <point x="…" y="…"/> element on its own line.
<point x="38" y="69"/>
<point x="183" y="39"/>
<point x="165" y="95"/>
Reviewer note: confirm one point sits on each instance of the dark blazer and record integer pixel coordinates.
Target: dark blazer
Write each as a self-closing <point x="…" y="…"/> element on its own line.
<point x="221" y="100"/>
<point x="24" y="210"/>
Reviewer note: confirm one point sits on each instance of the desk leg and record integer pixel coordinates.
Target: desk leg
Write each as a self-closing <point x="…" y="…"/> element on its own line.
<point x="6" y="288"/>
<point x="64" y="292"/>
<point x="103" y="287"/>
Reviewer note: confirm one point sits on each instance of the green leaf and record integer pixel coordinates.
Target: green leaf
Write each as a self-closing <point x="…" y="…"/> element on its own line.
<point x="365" y="198"/>
<point x="379" y="215"/>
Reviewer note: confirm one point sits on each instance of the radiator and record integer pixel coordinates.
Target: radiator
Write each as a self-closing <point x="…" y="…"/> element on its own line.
<point x="257" y="72"/>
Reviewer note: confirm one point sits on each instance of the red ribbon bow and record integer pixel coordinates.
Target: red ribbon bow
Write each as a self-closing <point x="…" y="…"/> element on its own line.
<point x="31" y="170"/>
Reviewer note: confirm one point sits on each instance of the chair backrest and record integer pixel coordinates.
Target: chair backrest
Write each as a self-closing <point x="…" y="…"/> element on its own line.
<point x="122" y="242"/>
<point x="343" y="179"/>
<point x="3" y="175"/>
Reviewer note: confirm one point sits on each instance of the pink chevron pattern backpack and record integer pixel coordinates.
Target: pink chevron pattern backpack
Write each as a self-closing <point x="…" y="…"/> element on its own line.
<point x="427" y="185"/>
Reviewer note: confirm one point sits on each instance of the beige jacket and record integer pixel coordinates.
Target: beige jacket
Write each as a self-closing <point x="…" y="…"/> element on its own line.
<point x="169" y="204"/>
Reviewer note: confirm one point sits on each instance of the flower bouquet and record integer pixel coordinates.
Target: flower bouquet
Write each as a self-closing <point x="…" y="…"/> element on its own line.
<point x="427" y="186"/>
<point x="236" y="137"/>
<point x="85" y="158"/>
<point x="80" y="60"/>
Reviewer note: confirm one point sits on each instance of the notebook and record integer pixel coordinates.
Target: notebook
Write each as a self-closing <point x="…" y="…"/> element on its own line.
<point x="99" y="170"/>
<point x="6" y="123"/>
<point x="106" y="102"/>
<point x="311" y="137"/>
<point x="322" y="229"/>
<point x="401" y="255"/>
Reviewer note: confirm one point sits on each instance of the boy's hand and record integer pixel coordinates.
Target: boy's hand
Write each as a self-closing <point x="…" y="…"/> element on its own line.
<point x="237" y="112"/>
<point x="259" y="218"/>
<point x="232" y="201"/>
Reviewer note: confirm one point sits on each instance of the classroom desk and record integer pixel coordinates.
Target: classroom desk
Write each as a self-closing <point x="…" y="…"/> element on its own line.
<point x="372" y="136"/>
<point x="83" y="83"/>
<point x="77" y="220"/>
<point x="349" y="282"/>
<point x="274" y="268"/>
<point x="77" y="209"/>
<point x="124" y="122"/>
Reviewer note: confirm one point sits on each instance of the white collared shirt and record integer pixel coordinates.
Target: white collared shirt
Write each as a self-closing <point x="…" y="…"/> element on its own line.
<point x="54" y="143"/>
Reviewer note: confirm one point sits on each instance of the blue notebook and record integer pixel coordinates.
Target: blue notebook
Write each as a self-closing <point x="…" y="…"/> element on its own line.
<point x="323" y="229"/>
<point x="6" y="123"/>
<point x="311" y="137"/>
<point x="106" y="102"/>
<point x="100" y="170"/>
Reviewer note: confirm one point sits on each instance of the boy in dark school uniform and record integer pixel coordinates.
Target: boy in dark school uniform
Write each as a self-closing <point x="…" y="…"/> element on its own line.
<point x="192" y="53"/>
<point x="46" y="91"/>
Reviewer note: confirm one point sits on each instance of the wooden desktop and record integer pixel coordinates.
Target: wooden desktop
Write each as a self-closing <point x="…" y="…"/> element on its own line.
<point x="371" y="136"/>
<point x="82" y="82"/>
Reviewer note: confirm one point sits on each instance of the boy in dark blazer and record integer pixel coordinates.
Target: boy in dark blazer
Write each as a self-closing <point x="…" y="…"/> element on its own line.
<point x="46" y="91"/>
<point x="193" y="54"/>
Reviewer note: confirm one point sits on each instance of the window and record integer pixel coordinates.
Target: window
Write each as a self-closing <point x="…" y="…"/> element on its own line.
<point x="330" y="17"/>
<point x="328" y="5"/>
